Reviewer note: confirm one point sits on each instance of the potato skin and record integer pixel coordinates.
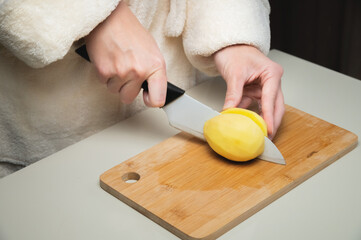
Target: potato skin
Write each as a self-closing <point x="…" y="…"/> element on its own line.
<point x="234" y="136"/>
<point x="251" y="114"/>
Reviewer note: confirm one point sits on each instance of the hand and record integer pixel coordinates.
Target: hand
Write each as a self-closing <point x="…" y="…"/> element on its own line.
<point x="125" y="55"/>
<point x="250" y="76"/>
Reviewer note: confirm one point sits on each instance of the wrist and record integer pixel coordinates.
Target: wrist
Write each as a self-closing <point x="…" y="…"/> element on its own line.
<point x="121" y="8"/>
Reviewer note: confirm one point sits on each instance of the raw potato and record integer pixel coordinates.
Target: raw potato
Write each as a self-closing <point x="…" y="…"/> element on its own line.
<point x="236" y="134"/>
<point x="252" y="115"/>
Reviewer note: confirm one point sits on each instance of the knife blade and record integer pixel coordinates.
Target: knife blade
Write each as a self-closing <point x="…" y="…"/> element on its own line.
<point x="189" y="115"/>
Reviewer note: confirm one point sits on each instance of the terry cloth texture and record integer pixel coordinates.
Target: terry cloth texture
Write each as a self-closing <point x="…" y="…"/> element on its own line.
<point x="51" y="98"/>
<point x="8" y="168"/>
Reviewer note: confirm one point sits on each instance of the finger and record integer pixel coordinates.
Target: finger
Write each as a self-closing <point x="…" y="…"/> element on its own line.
<point x="253" y="91"/>
<point x="234" y="92"/>
<point x="114" y="84"/>
<point x="157" y="89"/>
<point x="245" y="102"/>
<point x="104" y="71"/>
<point x="146" y="98"/>
<point x="129" y="91"/>
<point x="279" y="111"/>
<point x="269" y="93"/>
<point x="103" y="78"/>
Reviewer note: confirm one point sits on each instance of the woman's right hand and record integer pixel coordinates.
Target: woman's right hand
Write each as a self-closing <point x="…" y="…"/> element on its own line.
<point x="125" y="55"/>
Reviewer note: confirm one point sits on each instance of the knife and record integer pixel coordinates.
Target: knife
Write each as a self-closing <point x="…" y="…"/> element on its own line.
<point x="189" y="115"/>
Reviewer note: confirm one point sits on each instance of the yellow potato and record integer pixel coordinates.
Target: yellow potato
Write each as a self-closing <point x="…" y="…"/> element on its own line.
<point x="236" y="135"/>
<point x="252" y="115"/>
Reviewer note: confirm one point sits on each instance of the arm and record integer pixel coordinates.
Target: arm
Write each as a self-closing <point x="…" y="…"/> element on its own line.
<point x="41" y="32"/>
<point x="125" y="55"/>
<point x="231" y="38"/>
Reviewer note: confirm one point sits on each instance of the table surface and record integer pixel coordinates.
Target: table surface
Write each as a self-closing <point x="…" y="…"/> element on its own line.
<point x="59" y="197"/>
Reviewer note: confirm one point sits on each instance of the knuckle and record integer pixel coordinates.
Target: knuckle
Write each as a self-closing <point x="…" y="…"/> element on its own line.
<point x="159" y="62"/>
<point x="232" y="96"/>
<point x="136" y="66"/>
<point x="120" y="71"/>
<point x="138" y="71"/>
<point x="104" y="73"/>
<point x="277" y="68"/>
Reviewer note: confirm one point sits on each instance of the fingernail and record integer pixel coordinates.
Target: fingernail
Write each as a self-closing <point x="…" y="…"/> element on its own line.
<point x="146" y="100"/>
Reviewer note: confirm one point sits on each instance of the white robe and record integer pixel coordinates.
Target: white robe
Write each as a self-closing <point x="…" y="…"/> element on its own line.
<point x="50" y="97"/>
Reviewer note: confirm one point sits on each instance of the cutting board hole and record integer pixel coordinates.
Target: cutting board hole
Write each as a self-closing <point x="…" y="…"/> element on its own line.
<point x="131" y="177"/>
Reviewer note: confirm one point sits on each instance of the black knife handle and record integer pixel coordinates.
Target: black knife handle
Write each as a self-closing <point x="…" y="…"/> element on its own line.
<point x="83" y="52"/>
<point x="173" y="92"/>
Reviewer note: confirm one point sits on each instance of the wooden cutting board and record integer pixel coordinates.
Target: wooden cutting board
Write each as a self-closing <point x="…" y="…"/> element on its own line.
<point x="185" y="187"/>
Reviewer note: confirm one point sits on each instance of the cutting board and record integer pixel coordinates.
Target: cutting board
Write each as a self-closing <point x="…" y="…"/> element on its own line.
<point x="188" y="189"/>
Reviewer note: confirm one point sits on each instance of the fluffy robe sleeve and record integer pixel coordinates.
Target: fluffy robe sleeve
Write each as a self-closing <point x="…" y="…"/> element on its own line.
<point x="214" y="24"/>
<point x="40" y="32"/>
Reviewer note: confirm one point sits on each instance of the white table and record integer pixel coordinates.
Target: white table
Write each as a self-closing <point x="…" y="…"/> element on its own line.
<point x="59" y="197"/>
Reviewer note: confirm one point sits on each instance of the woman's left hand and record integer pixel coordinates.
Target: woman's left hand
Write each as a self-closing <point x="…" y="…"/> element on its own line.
<point x="250" y="75"/>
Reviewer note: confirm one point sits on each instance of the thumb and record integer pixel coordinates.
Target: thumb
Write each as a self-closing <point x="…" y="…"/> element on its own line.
<point x="157" y="89"/>
<point x="234" y="92"/>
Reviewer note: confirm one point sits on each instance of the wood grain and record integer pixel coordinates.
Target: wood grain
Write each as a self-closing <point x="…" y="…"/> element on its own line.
<point x="185" y="187"/>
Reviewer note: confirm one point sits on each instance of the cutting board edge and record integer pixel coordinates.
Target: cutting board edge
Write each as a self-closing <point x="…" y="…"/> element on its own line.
<point x="162" y="223"/>
<point x="236" y="221"/>
<point x="204" y="234"/>
<point x="225" y="228"/>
